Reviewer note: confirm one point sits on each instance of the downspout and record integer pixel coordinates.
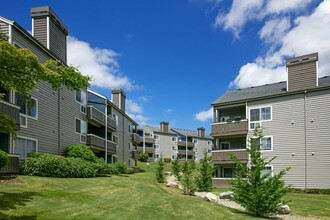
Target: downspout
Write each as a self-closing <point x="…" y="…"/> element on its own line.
<point x="123" y="132"/>
<point x="144" y="141"/>
<point x="305" y="113"/>
<point x="186" y="148"/>
<point x="106" y="132"/>
<point x="59" y="120"/>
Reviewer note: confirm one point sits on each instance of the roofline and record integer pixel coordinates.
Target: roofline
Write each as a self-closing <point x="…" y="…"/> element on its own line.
<point x="179" y="133"/>
<point x="271" y="96"/>
<point x="121" y="111"/>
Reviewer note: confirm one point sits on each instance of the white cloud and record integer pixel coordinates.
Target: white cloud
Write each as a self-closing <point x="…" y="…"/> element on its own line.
<point x="204" y="115"/>
<point x="309" y="34"/>
<point x="278" y="6"/>
<point x="145" y="98"/>
<point x="274" y="30"/>
<point x="135" y="111"/>
<point x="101" y="64"/>
<point x="133" y="106"/>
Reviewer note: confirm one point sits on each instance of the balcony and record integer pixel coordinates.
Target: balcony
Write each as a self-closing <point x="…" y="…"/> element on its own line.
<point x="111" y="123"/>
<point x="135" y="154"/>
<point x="98" y="143"/>
<point x="12" y="111"/>
<point x="136" y="139"/>
<point x="183" y="144"/>
<point x="95" y="115"/>
<point x="148" y="140"/>
<point x="189" y="152"/>
<point x="221" y="129"/>
<point x="148" y="150"/>
<point x="221" y="183"/>
<point x="221" y="157"/>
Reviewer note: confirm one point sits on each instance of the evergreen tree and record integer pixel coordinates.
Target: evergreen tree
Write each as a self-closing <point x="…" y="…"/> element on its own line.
<point x="204" y="178"/>
<point x="160" y="174"/>
<point x="176" y="168"/>
<point x="258" y="192"/>
<point x="187" y="178"/>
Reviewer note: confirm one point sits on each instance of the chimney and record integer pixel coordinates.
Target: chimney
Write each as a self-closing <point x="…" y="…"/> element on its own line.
<point x="201" y="132"/>
<point x="302" y="72"/>
<point x="164" y="126"/>
<point x="119" y="98"/>
<point x="49" y="30"/>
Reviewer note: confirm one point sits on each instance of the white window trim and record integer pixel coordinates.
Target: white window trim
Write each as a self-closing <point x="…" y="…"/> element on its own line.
<point x="156" y="147"/>
<point x="117" y="139"/>
<point x="22" y="115"/>
<point x="195" y="140"/>
<point x="28" y="138"/>
<point x="156" y="135"/>
<point x="116" y="118"/>
<point x="176" y="139"/>
<point x="175" y="156"/>
<point x="130" y="145"/>
<point x="225" y="142"/>
<point x="156" y="157"/>
<point x="175" y="147"/>
<point x="272" y="170"/>
<point x="271" y="149"/>
<point x="75" y="98"/>
<point x="209" y="143"/>
<point x="75" y="130"/>
<point x="260" y="121"/>
<point x="37" y="110"/>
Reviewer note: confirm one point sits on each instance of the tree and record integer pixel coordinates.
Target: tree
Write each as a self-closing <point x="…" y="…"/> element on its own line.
<point x="176" y="168"/>
<point x="4" y="159"/>
<point x="187" y="178"/>
<point x="160" y="175"/>
<point x="21" y="71"/>
<point x="258" y="192"/>
<point x="204" y="178"/>
<point x="144" y="157"/>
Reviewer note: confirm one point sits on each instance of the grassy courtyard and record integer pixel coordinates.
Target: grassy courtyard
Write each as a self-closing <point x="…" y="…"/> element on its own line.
<point x="135" y="196"/>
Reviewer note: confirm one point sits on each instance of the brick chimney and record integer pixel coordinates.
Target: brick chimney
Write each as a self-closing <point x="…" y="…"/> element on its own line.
<point x="164" y="126"/>
<point x="48" y="28"/>
<point x="201" y="132"/>
<point x="302" y="72"/>
<point x="119" y="98"/>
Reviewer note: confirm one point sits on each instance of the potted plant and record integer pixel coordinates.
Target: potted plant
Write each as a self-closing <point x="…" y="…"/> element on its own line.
<point x="238" y="118"/>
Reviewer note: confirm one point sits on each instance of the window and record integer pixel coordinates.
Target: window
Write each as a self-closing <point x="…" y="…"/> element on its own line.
<point x="115" y="159"/>
<point x="267" y="169"/>
<point x="115" y="117"/>
<point x="209" y="151"/>
<point x="129" y="128"/>
<point x="258" y="115"/>
<point x="224" y="145"/>
<point x="81" y="97"/>
<point x="174" y="156"/>
<point x="224" y="118"/>
<point x="156" y="146"/>
<point x="195" y="141"/>
<point x="156" y="156"/>
<point x="81" y="128"/>
<point x="195" y="158"/>
<point x="28" y="107"/>
<point x="228" y="172"/>
<point x="174" y="148"/>
<point x="25" y="146"/>
<point x="156" y="137"/>
<point x="115" y="139"/>
<point x="129" y="163"/>
<point x="266" y="143"/>
<point x="174" y="139"/>
<point x="129" y="146"/>
<point x="23" y="121"/>
<point x="195" y="149"/>
<point x="209" y="143"/>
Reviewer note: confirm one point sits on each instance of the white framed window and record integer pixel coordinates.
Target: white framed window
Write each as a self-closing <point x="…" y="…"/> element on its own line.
<point x="266" y="143"/>
<point x="195" y="141"/>
<point x="156" y="137"/>
<point x="23" y="121"/>
<point x="224" y="118"/>
<point x="28" y="108"/>
<point x="195" y="149"/>
<point x="81" y="98"/>
<point x="195" y="158"/>
<point x="81" y="128"/>
<point x="174" y="156"/>
<point x="115" y="117"/>
<point x="129" y="128"/>
<point x="115" y="139"/>
<point x="115" y="159"/>
<point x="209" y="143"/>
<point x="174" y="148"/>
<point x="156" y="146"/>
<point x="129" y="163"/>
<point x="209" y="151"/>
<point x="156" y="156"/>
<point x="267" y="169"/>
<point x="129" y="146"/>
<point x="174" y="139"/>
<point x="224" y="145"/>
<point x="257" y="115"/>
<point x="24" y="145"/>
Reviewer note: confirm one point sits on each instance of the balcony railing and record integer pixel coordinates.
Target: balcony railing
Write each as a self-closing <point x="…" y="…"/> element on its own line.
<point x="136" y="139"/>
<point x="12" y="111"/>
<point x="112" y="147"/>
<point x="148" y="140"/>
<point x="12" y="166"/>
<point x="189" y="152"/>
<point x="183" y="144"/>
<point x="221" y="156"/>
<point x="147" y="150"/>
<point x="221" y="183"/>
<point x="95" y="114"/>
<point x="111" y="123"/>
<point x="135" y="154"/>
<point x="98" y="143"/>
<point x="229" y="128"/>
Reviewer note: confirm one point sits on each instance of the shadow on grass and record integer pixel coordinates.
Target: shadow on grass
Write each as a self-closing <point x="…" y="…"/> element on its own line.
<point x="7" y="177"/>
<point x="9" y="201"/>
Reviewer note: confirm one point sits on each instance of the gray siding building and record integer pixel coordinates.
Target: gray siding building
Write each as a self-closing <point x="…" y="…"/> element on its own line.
<point x="295" y="119"/>
<point x="61" y="118"/>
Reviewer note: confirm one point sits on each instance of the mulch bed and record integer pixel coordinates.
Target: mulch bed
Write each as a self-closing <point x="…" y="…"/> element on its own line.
<point x="9" y="180"/>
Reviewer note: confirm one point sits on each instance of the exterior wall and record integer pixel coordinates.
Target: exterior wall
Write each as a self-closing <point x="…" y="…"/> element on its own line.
<point x="165" y="144"/>
<point x="40" y="30"/>
<point x="202" y="144"/>
<point x="4" y="28"/>
<point x="235" y="143"/>
<point x="57" y="40"/>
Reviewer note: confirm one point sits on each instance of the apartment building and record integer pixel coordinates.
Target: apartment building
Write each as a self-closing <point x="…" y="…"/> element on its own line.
<point x="61" y="118"/>
<point x="294" y="115"/>
<point x="173" y="143"/>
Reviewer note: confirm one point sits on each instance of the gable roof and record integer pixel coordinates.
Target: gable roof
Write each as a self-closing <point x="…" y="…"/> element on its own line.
<point x="261" y="91"/>
<point x="190" y="133"/>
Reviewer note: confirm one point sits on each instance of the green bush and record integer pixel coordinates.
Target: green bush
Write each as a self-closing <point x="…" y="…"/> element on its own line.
<point x="167" y="160"/>
<point x="80" y="151"/>
<point x="130" y="171"/>
<point x="204" y="177"/>
<point x="120" y="167"/>
<point x="4" y="159"/>
<point x="176" y="168"/>
<point x="160" y="175"/>
<point x="144" y="157"/>
<point x="48" y="165"/>
<point x="187" y="179"/>
<point x="101" y="166"/>
<point x="34" y="154"/>
<point x="142" y="170"/>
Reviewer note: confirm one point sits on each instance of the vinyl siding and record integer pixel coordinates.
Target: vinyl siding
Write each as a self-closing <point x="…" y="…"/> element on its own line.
<point x="57" y="41"/>
<point x="40" y="30"/>
<point x="165" y="144"/>
<point x="302" y="76"/>
<point x="4" y="28"/>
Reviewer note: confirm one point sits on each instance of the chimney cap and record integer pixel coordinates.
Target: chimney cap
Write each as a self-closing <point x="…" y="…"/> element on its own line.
<point x="201" y="128"/>
<point x="164" y="122"/>
<point x="117" y="91"/>
<point x="302" y="59"/>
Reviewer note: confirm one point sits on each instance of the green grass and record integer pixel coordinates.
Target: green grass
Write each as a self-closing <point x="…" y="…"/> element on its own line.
<point x="135" y="196"/>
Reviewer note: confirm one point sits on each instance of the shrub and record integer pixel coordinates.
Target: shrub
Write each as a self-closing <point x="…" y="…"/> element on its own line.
<point x="144" y="157"/>
<point x="176" y="168"/>
<point x="187" y="178"/>
<point x="33" y="154"/>
<point x="259" y="193"/>
<point x="120" y="167"/>
<point x="142" y="170"/>
<point x="204" y="178"/>
<point x="48" y="165"/>
<point x="130" y="171"/>
<point x="80" y="151"/>
<point x="102" y="167"/>
<point x="4" y="159"/>
<point x="160" y="175"/>
<point x="167" y="160"/>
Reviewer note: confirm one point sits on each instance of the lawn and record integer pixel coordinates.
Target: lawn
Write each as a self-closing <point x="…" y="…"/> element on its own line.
<point x="135" y="196"/>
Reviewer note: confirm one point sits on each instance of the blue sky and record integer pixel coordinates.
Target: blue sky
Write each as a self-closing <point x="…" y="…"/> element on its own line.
<point x="174" y="58"/>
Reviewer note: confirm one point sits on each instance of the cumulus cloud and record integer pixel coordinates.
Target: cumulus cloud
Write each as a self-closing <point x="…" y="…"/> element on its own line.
<point x="101" y="64"/>
<point x="307" y="34"/>
<point x="133" y="107"/>
<point x="135" y="111"/>
<point x="204" y="115"/>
